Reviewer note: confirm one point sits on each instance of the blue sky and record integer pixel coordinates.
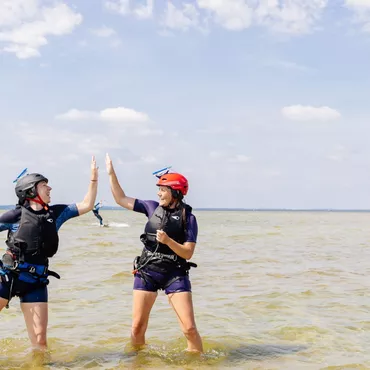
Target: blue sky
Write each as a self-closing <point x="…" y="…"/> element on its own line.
<point x="261" y="104"/>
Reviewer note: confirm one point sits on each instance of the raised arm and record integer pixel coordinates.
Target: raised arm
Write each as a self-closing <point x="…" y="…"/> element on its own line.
<point x="9" y="218"/>
<point x="118" y="194"/>
<point x="88" y="202"/>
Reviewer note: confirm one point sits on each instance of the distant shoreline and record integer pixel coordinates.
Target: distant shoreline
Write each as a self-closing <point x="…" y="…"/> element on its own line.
<point x="7" y="207"/>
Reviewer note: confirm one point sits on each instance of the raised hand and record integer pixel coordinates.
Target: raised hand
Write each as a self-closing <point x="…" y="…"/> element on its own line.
<point x="109" y="164"/>
<point x="94" y="169"/>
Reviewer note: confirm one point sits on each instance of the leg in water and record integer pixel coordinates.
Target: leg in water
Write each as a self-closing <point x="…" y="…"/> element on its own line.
<point x="182" y="304"/>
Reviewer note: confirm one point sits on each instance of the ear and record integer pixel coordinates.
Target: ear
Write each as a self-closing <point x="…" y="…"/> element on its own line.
<point x="31" y="193"/>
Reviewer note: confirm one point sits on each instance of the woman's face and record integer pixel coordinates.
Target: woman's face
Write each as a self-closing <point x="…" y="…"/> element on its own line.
<point x="165" y="196"/>
<point x="43" y="190"/>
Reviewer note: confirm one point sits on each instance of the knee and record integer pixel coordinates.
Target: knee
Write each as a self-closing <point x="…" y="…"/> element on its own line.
<point x="190" y="331"/>
<point x="138" y="329"/>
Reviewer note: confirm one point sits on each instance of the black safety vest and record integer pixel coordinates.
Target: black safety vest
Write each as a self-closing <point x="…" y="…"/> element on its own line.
<point x="36" y="236"/>
<point x="161" y="257"/>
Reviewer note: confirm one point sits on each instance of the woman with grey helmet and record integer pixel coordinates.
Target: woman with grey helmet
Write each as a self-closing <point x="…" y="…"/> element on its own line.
<point x="32" y="239"/>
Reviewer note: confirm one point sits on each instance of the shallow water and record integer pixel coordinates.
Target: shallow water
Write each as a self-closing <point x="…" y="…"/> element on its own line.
<point x="273" y="290"/>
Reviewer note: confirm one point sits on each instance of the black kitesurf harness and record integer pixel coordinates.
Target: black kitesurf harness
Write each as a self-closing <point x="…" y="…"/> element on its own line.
<point x="36" y="237"/>
<point x="157" y="256"/>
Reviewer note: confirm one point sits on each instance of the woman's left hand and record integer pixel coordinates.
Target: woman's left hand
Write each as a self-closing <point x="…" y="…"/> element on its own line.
<point x="162" y="237"/>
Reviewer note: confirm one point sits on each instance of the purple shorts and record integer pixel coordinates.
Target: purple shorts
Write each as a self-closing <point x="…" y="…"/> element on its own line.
<point x="152" y="281"/>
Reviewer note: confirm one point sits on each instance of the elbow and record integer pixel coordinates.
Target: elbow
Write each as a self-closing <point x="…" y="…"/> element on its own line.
<point x="89" y="206"/>
<point x="117" y="199"/>
<point x="188" y="255"/>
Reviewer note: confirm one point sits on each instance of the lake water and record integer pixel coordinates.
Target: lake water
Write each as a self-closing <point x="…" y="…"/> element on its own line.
<point x="273" y="290"/>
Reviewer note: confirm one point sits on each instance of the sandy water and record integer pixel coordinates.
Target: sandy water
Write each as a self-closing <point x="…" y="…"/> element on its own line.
<point x="273" y="290"/>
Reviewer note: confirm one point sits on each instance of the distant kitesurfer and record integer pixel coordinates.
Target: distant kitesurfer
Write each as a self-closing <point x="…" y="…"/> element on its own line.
<point x="96" y="212"/>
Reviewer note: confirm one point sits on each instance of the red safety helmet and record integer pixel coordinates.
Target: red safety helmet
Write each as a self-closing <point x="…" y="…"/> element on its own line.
<point x="174" y="181"/>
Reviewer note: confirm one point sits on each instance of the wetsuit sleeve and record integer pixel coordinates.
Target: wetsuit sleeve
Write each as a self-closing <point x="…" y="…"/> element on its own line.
<point x="145" y="206"/>
<point x="191" y="229"/>
<point x="63" y="213"/>
<point x="8" y="219"/>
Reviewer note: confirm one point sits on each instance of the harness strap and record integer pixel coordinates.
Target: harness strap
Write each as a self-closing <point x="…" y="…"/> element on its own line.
<point x="10" y="271"/>
<point x="32" y="271"/>
<point x="10" y="293"/>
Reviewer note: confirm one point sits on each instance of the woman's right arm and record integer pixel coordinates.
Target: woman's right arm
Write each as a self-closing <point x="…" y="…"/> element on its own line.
<point x="8" y="218"/>
<point x="118" y="194"/>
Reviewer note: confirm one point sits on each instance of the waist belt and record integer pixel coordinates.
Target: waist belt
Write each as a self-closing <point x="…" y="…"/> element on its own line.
<point x="37" y="271"/>
<point x="26" y="272"/>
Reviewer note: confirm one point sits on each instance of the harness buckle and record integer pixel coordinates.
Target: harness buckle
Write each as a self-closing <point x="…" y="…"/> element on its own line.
<point x="32" y="270"/>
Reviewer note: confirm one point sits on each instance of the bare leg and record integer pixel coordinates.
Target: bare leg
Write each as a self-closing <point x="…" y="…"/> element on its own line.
<point x="143" y="302"/>
<point x="3" y="303"/>
<point x="182" y="303"/>
<point x="36" y="318"/>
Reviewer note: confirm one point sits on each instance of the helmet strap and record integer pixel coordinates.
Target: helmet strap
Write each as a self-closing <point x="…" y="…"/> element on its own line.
<point x="38" y="200"/>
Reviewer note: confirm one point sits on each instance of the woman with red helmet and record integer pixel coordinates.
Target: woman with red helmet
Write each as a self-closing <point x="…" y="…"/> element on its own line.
<point x="169" y="241"/>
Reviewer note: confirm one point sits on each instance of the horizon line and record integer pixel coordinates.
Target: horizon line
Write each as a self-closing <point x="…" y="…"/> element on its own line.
<point x="114" y="208"/>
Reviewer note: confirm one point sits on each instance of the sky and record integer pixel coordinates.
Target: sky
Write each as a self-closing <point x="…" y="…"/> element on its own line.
<point x="259" y="103"/>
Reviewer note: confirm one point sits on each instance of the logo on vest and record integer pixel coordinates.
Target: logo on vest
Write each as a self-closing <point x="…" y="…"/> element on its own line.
<point x="176" y="217"/>
<point x="50" y="220"/>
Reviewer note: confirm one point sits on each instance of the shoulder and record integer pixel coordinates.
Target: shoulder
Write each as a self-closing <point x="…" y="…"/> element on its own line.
<point x="191" y="222"/>
<point x="64" y="212"/>
<point x="57" y="209"/>
<point x="145" y="206"/>
<point x="191" y="226"/>
<point x="12" y="216"/>
<point x="190" y="217"/>
<point x="10" y="219"/>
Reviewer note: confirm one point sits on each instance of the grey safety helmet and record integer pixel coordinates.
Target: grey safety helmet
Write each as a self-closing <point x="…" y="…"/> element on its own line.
<point x="26" y="186"/>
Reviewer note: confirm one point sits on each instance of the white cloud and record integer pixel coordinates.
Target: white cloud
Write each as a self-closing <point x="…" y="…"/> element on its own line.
<point x="53" y="139"/>
<point x="125" y="7"/>
<point x="359" y="3"/>
<point x="25" y="25"/>
<point x="77" y="115"/>
<point x="290" y="16"/>
<point x="309" y="113"/>
<point x="118" y="115"/>
<point x="119" y="6"/>
<point x="183" y="19"/>
<point x="144" y="11"/>
<point x="287" y="16"/>
<point x="103" y="31"/>
<point x="231" y="14"/>
<point x="122" y="114"/>
<point x="361" y="9"/>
